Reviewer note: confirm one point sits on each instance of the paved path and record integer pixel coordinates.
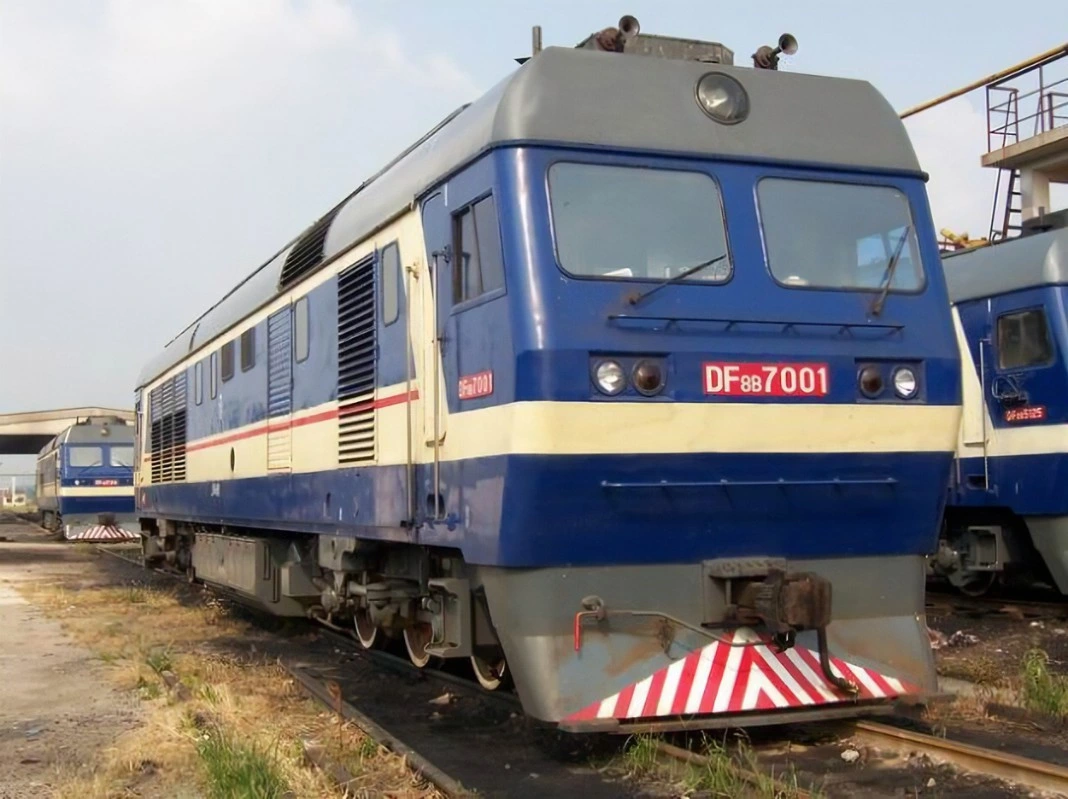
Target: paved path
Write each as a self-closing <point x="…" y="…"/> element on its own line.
<point x="57" y="708"/>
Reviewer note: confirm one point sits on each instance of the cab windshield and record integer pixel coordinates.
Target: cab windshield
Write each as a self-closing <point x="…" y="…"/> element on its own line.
<point x="637" y="223"/>
<point x="85" y="456"/>
<point x="121" y="456"/>
<point x="828" y="235"/>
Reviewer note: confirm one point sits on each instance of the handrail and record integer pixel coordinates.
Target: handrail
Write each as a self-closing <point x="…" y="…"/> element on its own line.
<point x="1016" y="69"/>
<point x="730" y="323"/>
<point x="834" y="482"/>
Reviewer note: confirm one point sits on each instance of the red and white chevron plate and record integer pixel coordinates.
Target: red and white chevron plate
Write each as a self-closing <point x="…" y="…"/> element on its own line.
<point x="744" y="674"/>
<point x="99" y="532"/>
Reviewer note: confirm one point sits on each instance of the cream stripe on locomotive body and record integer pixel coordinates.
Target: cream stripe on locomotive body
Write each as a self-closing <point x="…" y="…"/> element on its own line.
<point x="423" y="446"/>
<point x="96" y="491"/>
<point x="557" y="428"/>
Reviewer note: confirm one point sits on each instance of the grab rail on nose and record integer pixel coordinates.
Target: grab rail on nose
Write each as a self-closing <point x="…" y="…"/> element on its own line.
<point x="781" y="483"/>
<point x="840" y="328"/>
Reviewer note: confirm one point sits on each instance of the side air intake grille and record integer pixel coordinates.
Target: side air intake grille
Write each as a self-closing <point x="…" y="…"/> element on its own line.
<point x="307" y="253"/>
<point x="356" y="363"/>
<point x="167" y="406"/>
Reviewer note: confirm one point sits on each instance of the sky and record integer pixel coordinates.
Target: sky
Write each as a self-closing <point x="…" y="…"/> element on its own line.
<point x="154" y="152"/>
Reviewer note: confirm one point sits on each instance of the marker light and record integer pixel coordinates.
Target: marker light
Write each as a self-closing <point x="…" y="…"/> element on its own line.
<point x="722" y="98"/>
<point x="905" y="383"/>
<point x="648" y="378"/>
<point x="871" y="382"/>
<point x="609" y="378"/>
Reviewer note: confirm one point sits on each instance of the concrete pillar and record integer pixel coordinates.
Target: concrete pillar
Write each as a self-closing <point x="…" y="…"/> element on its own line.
<point x="1034" y="193"/>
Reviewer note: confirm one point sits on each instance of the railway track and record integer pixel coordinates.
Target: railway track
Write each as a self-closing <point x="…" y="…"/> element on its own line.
<point x="333" y="690"/>
<point x="1015" y="608"/>
<point x="1035" y="774"/>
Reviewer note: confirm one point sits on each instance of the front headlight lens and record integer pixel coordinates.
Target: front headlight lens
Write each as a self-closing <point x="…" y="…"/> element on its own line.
<point x="870" y="381"/>
<point x="610" y="378"/>
<point x="905" y="383"/>
<point x="648" y="377"/>
<point x="722" y="98"/>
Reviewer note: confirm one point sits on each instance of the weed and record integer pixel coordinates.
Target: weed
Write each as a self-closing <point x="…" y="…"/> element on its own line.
<point x="134" y="595"/>
<point x="641" y="754"/>
<point x="366" y="747"/>
<point x="148" y="690"/>
<point x="238" y="770"/>
<point x="209" y="694"/>
<point x="109" y="657"/>
<point x="1042" y="691"/>
<point x="159" y="660"/>
<point x="718" y="775"/>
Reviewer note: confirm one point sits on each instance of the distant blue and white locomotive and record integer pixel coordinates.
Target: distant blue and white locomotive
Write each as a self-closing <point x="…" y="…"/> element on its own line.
<point x="635" y="377"/>
<point x="1008" y="513"/>
<point x="85" y="481"/>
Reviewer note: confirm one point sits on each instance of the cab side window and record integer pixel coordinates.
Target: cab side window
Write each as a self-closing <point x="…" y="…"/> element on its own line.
<point x="1024" y="340"/>
<point x="479" y="267"/>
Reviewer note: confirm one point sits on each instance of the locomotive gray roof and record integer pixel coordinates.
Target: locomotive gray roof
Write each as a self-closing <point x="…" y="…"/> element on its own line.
<point x="91" y="433"/>
<point x="1040" y="259"/>
<point x="584" y="97"/>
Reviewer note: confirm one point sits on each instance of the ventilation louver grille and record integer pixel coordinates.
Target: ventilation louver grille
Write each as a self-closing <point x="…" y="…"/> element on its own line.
<point x="279" y="389"/>
<point x="167" y="405"/>
<point x="356" y="363"/>
<point x="307" y="253"/>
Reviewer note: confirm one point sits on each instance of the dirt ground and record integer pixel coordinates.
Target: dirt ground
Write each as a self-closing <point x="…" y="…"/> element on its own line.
<point x="119" y="685"/>
<point x="57" y="707"/>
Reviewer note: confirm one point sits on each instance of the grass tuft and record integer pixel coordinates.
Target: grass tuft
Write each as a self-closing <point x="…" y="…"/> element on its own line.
<point x="148" y="690"/>
<point x="159" y="660"/>
<point x="1043" y="691"/>
<point x="641" y="755"/>
<point x="238" y="770"/>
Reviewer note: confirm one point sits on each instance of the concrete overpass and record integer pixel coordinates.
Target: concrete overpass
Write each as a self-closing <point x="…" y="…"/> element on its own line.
<point x="26" y="433"/>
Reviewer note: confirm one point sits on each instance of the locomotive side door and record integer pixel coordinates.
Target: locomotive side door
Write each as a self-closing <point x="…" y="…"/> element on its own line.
<point x="280" y="390"/>
<point x="440" y="351"/>
<point x="975" y="369"/>
<point x="1023" y="387"/>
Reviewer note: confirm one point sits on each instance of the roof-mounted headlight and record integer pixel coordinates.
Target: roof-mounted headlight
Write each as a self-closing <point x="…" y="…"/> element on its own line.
<point x="722" y="98"/>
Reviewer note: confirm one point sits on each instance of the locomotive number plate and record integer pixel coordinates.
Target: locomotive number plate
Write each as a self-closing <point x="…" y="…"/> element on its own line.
<point x="477" y="385"/>
<point x="1034" y="413"/>
<point x="767" y="379"/>
<point x="105" y="482"/>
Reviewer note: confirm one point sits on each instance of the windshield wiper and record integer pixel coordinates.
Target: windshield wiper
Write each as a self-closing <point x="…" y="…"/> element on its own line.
<point x="634" y="299"/>
<point x="888" y="275"/>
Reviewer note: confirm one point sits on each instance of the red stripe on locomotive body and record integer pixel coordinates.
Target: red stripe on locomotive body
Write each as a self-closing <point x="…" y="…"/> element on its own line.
<point x="315" y="418"/>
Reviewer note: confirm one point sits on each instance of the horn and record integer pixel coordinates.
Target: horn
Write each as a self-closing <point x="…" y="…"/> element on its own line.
<point x="629" y="26"/>
<point x="787" y="44"/>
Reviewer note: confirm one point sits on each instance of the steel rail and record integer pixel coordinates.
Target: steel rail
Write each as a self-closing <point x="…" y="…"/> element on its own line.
<point x="1034" y="607"/>
<point x="1036" y="774"/>
<point x="750" y="777"/>
<point x="318" y="689"/>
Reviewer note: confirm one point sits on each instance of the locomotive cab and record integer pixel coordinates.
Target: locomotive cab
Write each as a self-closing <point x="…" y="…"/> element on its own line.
<point x="1007" y="517"/>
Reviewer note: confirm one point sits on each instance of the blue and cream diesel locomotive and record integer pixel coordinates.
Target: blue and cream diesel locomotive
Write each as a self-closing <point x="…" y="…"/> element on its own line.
<point x="1008" y="512"/>
<point x="85" y="481"/>
<point x="633" y="381"/>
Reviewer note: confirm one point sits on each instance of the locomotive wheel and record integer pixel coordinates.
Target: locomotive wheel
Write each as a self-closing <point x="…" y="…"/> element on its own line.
<point x="491" y="674"/>
<point x="416" y="638"/>
<point x="975" y="584"/>
<point x="366" y="631"/>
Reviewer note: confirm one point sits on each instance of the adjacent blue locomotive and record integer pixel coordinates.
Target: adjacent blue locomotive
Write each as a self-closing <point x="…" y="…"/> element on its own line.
<point x="1008" y="514"/>
<point x="85" y="481"/>
<point x="633" y="380"/>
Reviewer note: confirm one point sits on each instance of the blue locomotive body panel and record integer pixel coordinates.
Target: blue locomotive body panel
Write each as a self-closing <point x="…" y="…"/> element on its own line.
<point x="537" y="333"/>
